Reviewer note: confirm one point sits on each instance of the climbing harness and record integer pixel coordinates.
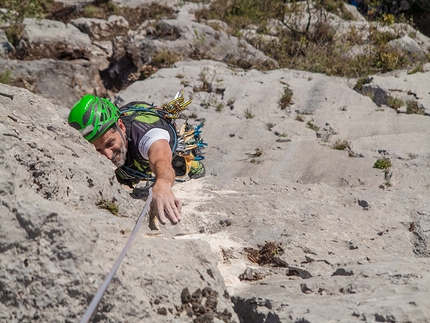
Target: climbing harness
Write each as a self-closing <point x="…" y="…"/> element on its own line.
<point x="97" y="298"/>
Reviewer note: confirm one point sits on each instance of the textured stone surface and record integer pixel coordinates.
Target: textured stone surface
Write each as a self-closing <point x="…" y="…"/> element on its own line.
<point x="353" y="239"/>
<point x="56" y="246"/>
<point x="43" y="38"/>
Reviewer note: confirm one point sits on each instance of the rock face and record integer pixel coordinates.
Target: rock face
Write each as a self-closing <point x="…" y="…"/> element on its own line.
<point x="52" y="78"/>
<point x="47" y="38"/>
<point x="312" y="211"/>
<point x="354" y="237"/>
<point x="52" y="235"/>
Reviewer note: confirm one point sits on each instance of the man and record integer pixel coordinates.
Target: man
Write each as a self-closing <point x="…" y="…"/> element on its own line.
<point x="137" y="145"/>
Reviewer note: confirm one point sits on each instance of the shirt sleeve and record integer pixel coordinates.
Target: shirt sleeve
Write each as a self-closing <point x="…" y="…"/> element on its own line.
<point x="150" y="137"/>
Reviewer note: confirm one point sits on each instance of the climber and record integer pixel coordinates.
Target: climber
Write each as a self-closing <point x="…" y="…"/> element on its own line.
<point x="144" y="144"/>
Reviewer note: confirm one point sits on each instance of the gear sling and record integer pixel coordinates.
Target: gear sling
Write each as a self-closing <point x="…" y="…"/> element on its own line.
<point x="186" y="143"/>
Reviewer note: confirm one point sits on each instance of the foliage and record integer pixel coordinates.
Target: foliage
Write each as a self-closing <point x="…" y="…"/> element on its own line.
<point x="17" y="10"/>
<point x="285" y="99"/>
<point x="5" y="76"/>
<point x="219" y="107"/>
<point x="361" y="81"/>
<point x="300" y="117"/>
<point x="314" y="46"/>
<point x="266" y="255"/>
<point x="164" y="59"/>
<point x="270" y="126"/>
<point x="20" y="9"/>
<point x="111" y="206"/>
<point x="382" y="163"/>
<point x="312" y="126"/>
<point x="248" y="114"/>
<point x="341" y="144"/>
<point x="413" y="107"/>
<point x="395" y="103"/>
<point x="418" y="68"/>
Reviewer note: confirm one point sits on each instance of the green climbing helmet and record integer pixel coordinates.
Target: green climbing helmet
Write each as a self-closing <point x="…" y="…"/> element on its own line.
<point x="93" y="116"/>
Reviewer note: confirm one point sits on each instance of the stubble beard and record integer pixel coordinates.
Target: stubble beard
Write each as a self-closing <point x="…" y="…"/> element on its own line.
<point x="120" y="157"/>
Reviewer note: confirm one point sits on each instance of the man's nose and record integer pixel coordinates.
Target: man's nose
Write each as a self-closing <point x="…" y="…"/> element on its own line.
<point x="108" y="153"/>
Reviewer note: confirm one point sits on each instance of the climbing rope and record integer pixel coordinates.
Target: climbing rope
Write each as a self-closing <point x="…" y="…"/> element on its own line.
<point x="97" y="298"/>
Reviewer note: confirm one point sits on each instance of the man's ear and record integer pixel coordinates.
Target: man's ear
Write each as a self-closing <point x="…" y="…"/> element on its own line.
<point x="121" y="126"/>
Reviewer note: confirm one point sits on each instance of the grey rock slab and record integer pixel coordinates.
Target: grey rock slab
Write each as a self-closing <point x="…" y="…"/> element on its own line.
<point x="186" y="39"/>
<point x="365" y="262"/>
<point x="408" y="45"/>
<point x="57" y="246"/>
<point x="63" y="82"/>
<point x="43" y="38"/>
<point x="100" y="29"/>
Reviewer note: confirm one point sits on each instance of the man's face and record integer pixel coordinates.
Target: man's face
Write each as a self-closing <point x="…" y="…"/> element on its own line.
<point x="112" y="146"/>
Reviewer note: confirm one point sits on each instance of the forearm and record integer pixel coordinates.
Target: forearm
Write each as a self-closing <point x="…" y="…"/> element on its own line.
<point x="163" y="172"/>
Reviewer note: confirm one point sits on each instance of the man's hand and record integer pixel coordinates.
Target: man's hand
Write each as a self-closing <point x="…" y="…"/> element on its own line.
<point x="160" y="161"/>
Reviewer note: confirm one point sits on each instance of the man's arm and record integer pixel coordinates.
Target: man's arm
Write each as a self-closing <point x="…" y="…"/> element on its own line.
<point x="160" y="161"/>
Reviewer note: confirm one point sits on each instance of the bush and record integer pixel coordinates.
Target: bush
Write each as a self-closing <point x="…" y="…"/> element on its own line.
<point x="382" y="163"/>
<point x="413" y="107"/>
<point x="311" y="47"/>
<point x="341" y="144"/>
<point x="285" y="99"/>
<point x="395" y="103"/>
<point x="5" y="77"/>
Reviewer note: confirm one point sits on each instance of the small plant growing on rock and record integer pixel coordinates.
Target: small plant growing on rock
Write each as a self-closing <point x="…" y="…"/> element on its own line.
<point x="285" y="99"/>
<point x="248" y="114"/>
<point x="266" y="255"/>
<point x="312" y="126"/>
<point x="90" y="11"/>
<point x="5" y="77"/>
<point x="413" y="107"/>
<point x="219" y="107"/>
<point x="395" y="103"/>
<point x="164" y="59"/>
<point x="111" y="206"/>
<point x="341" y="144"/>
<point x="418" y="68"/>
<point x="361" y="81"/>
<point x="300" y="117"/>
<point x="270" y="126"/>
<point x="382" y="163"/>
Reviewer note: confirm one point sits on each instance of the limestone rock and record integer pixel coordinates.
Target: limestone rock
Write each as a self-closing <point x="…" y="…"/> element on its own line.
<point x="57" y="246"/>
<point x="99" y="29"/>
<point x="43" y="38"/>
<point x="50" y="78"/>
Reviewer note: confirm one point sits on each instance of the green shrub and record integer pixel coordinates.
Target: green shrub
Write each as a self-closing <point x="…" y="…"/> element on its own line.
<point x="285" y="99"/>
<point x="314" y="47"/>
<point x="312" y="126"/>
<point x="413" y="107"/>
<point x="111" y="206"/>
<point x="395" y="103"/>
<point x="164" y="59"/>
<point x="5" y="77"/>
<point x="382" y="163"/>
<point x="90" y="11"/>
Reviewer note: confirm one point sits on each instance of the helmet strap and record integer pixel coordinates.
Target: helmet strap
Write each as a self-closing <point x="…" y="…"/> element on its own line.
<point x="121" y="134"/>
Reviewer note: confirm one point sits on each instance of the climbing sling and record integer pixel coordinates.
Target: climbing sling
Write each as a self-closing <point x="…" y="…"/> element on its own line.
<point x="186" y="142"/>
